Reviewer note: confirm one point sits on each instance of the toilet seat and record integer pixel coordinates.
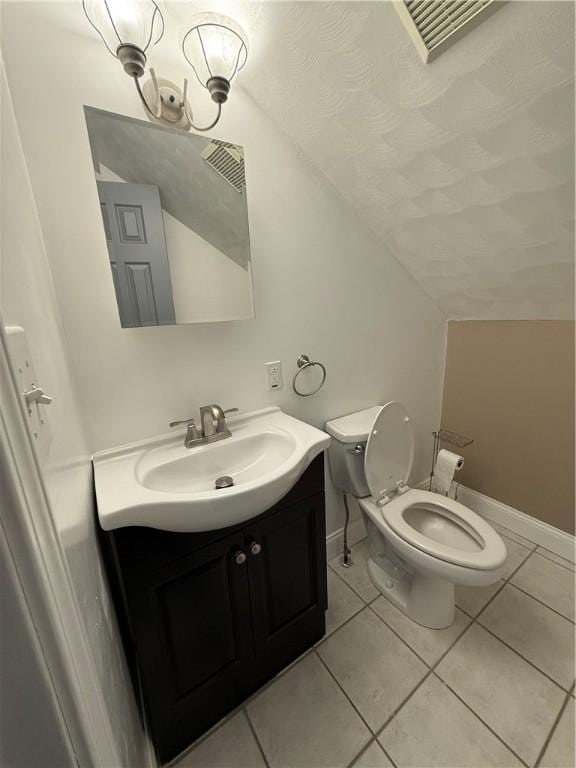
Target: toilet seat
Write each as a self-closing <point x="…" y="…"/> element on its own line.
<point x="491" y="551"/>
<point x="433" y="524"/>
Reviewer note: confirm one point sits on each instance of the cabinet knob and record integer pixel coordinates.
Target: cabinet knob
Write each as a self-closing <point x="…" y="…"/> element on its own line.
<point x="255" y="548"/>
<point x="240" y="558"/>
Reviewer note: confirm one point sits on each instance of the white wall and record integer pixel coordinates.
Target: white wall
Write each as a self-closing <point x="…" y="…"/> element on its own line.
<point x="322" y="285"/>
<point x="27" y="299"/>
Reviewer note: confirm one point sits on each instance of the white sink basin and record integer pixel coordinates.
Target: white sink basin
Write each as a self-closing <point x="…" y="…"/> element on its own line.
<point x="161" y="484"/>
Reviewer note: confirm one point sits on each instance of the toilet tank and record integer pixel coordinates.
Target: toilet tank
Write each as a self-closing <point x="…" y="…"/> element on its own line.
<point x="346" y="451"/>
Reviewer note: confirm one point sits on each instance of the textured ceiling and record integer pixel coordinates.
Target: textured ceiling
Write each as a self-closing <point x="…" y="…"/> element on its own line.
<point x="464" y="167"/>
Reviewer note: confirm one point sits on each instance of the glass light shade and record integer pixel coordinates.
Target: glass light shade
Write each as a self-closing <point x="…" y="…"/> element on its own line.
<point x="215" y="46"/>
<point x="126" y="22"/>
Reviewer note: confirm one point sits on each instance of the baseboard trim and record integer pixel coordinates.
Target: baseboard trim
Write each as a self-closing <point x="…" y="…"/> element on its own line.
<point x="543" y="534"/>
<point x="335" y="540"/>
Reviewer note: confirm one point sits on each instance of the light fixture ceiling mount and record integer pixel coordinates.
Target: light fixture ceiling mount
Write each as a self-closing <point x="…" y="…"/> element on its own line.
<point x="214" y="46"/>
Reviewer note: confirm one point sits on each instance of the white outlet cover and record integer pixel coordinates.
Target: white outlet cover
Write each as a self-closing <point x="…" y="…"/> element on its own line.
<point x="274" y="375"/>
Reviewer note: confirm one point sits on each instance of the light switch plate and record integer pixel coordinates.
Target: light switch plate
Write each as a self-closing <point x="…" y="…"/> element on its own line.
<point x="26" y="379"/>
<point x="274" y="375"/>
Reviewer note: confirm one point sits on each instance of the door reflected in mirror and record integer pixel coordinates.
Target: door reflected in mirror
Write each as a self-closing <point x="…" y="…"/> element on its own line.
<point x="175" y="219"/>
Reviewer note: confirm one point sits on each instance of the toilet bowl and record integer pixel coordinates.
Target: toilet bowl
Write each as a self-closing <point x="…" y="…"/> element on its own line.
<point x="421" y="543"/>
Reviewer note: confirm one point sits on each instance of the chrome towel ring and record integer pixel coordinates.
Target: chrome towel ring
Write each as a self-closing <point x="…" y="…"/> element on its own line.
<point x="304" y="362"/>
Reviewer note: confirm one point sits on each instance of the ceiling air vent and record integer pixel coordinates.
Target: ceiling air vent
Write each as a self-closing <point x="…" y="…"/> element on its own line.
<point x="227" y="160"/>
<point x="436" y="24"/>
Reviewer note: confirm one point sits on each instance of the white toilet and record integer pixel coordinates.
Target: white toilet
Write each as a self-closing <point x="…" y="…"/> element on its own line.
<point x="421" y="543"/>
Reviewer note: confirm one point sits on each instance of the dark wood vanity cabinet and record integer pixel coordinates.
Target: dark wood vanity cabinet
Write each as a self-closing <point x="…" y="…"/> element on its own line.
<point x="207" y="618"/>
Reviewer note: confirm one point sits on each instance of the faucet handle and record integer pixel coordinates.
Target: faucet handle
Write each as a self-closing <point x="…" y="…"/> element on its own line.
<point x="221" y="425"/>
<point x="192" y="432"/>
<point x="182" y="421"/>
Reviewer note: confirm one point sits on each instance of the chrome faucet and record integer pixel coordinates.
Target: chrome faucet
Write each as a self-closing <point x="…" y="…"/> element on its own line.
<point x="213" y="426"/>
<point x="213" y="420"/>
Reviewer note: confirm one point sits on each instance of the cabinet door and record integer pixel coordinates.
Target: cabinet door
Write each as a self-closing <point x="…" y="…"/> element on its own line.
<point x="193" y="640"/>
<point x="287" y="572"/>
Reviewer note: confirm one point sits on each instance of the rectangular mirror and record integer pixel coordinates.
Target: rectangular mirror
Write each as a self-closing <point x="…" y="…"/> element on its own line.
<point x="175" y="218"/>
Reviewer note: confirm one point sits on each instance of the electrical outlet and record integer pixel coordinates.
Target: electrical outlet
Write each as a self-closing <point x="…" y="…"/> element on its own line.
<point x="274" y="374"/>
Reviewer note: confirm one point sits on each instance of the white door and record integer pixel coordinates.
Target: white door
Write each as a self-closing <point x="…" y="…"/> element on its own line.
<point x="132" y="215"/>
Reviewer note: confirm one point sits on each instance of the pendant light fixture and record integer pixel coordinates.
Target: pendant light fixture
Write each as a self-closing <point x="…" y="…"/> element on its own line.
<point x="214" y="46"/>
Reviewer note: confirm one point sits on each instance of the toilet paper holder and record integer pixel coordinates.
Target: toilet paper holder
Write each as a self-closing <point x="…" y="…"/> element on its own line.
<point x="446" y="436"/>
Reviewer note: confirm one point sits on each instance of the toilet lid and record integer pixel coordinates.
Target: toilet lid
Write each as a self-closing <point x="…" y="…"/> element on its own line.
<point x="389" y="450"/>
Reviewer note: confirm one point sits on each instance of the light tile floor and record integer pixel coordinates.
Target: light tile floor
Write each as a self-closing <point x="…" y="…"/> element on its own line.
<point x="494" y="689"/>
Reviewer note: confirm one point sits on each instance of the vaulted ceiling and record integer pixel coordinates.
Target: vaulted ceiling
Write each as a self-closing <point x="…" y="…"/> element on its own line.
<point x="463" y="167"/>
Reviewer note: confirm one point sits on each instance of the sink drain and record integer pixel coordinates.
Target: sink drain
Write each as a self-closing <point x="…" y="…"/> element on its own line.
<point x="223" y="482"/>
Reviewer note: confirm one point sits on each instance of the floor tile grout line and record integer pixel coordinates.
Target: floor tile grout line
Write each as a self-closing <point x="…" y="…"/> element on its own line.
<point x="240" y="707"/>
<point x="257" y="740"/>
<point x="335" y="629"/>
<point x="447" y="651"/>
<point x="538" y="600"/>
<point x="432" y="671"/>
<point x="505" y="581"/>
<point x="431" y="666"/>
<point x="206" y="735"/>
<point x="359" y="755"/>
<point x="379" y="595"/>
<point x="476" y="620"/>
<point x="338" y="628"/>
<point x="402" y="703"/>
<point x="243" y="706"/>
<point x="531" y="663"/>
<point x="487" y="603"/>
<point x="520" y="564"/>
<point x="548" y="559"/>
<point x="386" y="752"/>
<point x="533" y="544"/>
<point x="491" y="600"/>
<point x="203" y="737"/>
<point x="276" y="677"/>
<point x="438" y="662"/>
<point x="552" y="730"/>
<point x="399" y="636"/>
<point x="429" y="670"/>
<point x="542" y="603"/>
<point x="477" y="716"/>
<point x="366" y="602"/>
<point x="546" y="552"/>
<point x="360" y="715"/>
<point x="366" y="748"/>
<point x="246" y="702"/>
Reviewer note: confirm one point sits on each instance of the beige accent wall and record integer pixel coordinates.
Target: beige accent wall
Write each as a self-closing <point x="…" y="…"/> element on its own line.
<point x="510" y="386"/>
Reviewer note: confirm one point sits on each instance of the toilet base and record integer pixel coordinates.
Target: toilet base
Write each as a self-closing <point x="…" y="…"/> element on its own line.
<point x="422" y="597"/>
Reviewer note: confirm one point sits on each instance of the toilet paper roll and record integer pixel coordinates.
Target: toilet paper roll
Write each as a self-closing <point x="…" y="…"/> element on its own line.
<point x="447" y="464"/>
